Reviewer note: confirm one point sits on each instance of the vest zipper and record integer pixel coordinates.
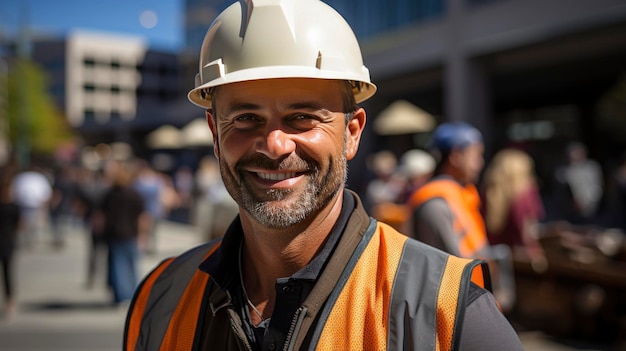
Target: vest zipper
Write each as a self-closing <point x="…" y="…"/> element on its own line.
<point x="294" y="328"/>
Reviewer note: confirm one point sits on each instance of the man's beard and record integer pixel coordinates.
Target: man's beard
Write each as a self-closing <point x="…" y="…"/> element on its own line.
<point x="274" y="208"/>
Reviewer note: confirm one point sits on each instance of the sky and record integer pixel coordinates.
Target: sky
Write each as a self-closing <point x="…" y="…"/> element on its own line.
<point x="160" y="22"/>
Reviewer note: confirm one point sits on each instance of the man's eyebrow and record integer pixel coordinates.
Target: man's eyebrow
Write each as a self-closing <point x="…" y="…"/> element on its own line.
<point x="249" y="106"/>
<point x="240" y="106"/>
<point x="309" y="105"/>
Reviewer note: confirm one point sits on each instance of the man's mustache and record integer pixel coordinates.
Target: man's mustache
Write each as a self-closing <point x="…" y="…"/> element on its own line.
<point x="291" y="162"/>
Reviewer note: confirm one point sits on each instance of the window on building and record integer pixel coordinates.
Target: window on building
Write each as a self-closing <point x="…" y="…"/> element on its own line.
<point x="89" y="115"/>
<point x="481" y="2"/>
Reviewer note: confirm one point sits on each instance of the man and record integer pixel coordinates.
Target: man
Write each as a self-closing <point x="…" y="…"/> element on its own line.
<point x="123" y="221"/>
<point x="580" y="186"/>
<point x="446" y="210"/>
<point x="149" y="184"/>
<point x="32" y="191"/>
<point x="303" y="266"/>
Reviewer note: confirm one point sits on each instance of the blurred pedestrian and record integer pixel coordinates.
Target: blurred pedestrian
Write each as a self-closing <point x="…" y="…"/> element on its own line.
<point x="303" y="266"/>
<point x="215" y="208"/>
<point x="92" y="189"/>
<point x="63" y="203"/>
<point x="387" y="184"/>
<point x="124" y="226"/>
<point x="151" y="185"/>
<point x="9" y="225"/>
<point x="513" y="206"/>
<point x="417" y="166"/>
<point x="446" y="210"/>
<point x="32" y="191"/>
<point x="580" y="186"/>
<point x="183" y="181"/>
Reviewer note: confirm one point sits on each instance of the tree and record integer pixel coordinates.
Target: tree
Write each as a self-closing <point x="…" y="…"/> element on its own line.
<point x="34" y="120"/>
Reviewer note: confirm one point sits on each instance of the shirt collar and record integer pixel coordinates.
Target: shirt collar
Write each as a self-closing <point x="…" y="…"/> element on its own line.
<point x="223" y="265"/>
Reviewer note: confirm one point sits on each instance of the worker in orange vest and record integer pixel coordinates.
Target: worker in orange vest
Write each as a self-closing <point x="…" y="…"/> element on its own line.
<point x="303" y="266"/>
<point x="445" y="212"/>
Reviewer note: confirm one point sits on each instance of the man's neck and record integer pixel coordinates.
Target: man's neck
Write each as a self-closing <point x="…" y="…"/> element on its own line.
<point x="269" y="254"/>
<point x="454" y="174"/>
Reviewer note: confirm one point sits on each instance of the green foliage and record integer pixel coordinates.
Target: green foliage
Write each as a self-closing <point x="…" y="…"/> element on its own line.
<point x="34" y="117"/>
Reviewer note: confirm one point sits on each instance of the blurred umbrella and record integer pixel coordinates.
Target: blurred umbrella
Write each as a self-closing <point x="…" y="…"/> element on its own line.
<point x="402" y="117"/>
<point x="197" y="133"/>
<point x="165" y="137"/>
<point x="121" y="150"/>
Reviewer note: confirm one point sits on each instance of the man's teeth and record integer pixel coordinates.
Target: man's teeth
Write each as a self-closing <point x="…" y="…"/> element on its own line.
<point x="276" y="176"/>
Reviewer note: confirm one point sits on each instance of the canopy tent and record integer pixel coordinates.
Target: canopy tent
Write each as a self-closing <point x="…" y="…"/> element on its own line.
<point x="196" y="133"/>
<point x="402" y="117"/>
<point x="165" y="137"/>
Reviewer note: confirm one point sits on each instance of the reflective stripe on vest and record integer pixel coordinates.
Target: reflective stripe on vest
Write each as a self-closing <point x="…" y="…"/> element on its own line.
<point x="464" y="204"/>
<point x="398" y="282"/>
<point x="171" y="327"/>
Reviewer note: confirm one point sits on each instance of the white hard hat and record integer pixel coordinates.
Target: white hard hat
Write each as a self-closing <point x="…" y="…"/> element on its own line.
<point x="264" y="39"/>
<point x="417" y="162"/>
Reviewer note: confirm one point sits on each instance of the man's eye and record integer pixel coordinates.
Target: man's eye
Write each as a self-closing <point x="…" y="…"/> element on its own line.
<point x="303" y="117"/>
<point x="304" y="121"/>
<point x="246" y="121"/>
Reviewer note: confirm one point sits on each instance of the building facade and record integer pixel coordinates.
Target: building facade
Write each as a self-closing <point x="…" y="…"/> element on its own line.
<point x="113" y="87"/>
<point x="534" y="74"/>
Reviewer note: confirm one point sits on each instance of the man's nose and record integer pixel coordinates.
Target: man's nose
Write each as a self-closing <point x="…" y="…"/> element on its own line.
<point x="275" y="144"/>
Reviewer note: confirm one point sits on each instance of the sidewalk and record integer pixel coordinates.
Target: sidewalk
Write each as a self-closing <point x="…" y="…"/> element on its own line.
<point x="56" y="311"/>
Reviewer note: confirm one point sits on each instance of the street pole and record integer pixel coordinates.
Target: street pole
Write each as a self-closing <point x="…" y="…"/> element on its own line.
<point x="5" y="144"/>
<point x="23" y="117"/>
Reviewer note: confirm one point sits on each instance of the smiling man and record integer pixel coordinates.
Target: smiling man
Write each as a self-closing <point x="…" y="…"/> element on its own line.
<point x="303" y="266"/>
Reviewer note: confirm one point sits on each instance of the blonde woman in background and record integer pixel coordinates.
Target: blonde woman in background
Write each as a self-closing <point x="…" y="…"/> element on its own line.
<point x="513" y="206"/>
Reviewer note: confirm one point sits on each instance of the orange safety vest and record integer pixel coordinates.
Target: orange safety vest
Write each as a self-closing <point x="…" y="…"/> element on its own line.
<point x="464" y="202"/>
<point x="393" y="292"/>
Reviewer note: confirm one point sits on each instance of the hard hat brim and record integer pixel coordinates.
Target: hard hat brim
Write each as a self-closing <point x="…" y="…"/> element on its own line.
<point x="362" y="91"/>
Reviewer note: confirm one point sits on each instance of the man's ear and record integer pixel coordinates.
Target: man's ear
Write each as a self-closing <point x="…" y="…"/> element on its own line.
<point x="213" y="127"/>
<point x="354" y="129"/>
<point x="455" y="157"/>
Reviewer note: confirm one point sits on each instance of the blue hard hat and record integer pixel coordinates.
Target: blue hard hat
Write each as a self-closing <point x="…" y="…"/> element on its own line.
<point x="454" y="135"/>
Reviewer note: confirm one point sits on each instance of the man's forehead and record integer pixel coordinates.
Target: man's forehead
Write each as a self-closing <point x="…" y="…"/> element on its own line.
<point x="304" y="92"/>
<point x="302" y="83"/>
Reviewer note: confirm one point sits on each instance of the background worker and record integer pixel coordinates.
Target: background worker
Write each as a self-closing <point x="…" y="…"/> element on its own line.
<point x="446" y="211"/>
<point x="303" y="266"/>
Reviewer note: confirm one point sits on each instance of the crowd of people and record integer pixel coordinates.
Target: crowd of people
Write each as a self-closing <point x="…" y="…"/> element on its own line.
<point x="494" y="211"/>
<point x="118" y="206"/>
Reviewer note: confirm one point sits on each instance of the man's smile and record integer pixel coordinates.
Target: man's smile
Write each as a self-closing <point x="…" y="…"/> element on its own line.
<point x="276" y="176"/>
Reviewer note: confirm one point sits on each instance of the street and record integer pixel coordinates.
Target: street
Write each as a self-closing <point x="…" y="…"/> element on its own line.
<point x="56" y="310"/>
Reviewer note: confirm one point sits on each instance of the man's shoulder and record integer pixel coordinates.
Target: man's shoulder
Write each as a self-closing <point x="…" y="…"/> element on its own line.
<point x="200" y="251"/>
<point x="188" y="260"/>
<point x="432" y="208"/>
